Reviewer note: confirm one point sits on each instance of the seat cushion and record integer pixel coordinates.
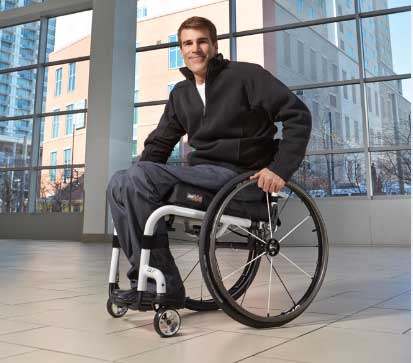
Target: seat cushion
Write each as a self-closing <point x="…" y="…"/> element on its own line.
<point x="186" y="195"/>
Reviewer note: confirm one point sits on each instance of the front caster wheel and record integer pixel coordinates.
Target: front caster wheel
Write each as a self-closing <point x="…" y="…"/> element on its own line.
<point x="115" y="310"/>
<point x="166" y="322"/>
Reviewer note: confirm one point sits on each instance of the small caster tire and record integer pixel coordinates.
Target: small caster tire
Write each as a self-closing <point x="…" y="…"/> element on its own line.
<point x="114" y="310"/>
<point x="166" y="322"/>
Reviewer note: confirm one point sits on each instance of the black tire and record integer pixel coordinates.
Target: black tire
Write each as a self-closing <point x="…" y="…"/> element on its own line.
<point x="267" y="315"/>
<point x="167" y="322"/>
<point x="114" y="310"/>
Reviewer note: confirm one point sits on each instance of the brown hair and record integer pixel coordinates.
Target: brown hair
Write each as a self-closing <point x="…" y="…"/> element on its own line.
<point x="197" y="22"/>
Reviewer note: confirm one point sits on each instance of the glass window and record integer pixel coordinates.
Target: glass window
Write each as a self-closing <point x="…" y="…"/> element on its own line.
<point x="300" y="56"/>
<point x="368" y="5"/>
<point x="55" y="128"/>
<point x="328" y="131"/>
<point x="53" y="161"/>
<point x="69" y="36"/>
<point x="175" y="57"/>
<point x="15" y="143"/>
<point x="76" y="140"/>
<point x="60" y="196"/>
<point x="336" y="175"/>
<point x="60" y="79"/>
<point x="72" y="76"/>
<point x="12" y="4"/>
<point x="69" y="120"/>
<point x="391" y="172"/>
<point x="17" y="90"/>
<point x="67" y="160"/>
<point x="58" y="82"/>
<point x="324" y="68"/>
<point x="171" y="87"/>
<point x="393" y="124"/>
<point x="19" y="45"/>
<point x="253" y="14"/>
<point x="14" y="191"/>
<point x="287" y="49"/>
<point x="386" y="52"/>
<point x="313" y="65"/>
<point x="345" y="94"/>
<point x="319" y="42"/>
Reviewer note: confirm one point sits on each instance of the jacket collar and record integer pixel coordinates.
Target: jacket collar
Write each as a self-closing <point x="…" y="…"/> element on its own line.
<point x="215" y="66"/>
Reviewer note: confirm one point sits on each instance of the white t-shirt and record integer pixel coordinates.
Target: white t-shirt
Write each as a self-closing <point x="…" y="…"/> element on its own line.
<point x="201" y="90"/>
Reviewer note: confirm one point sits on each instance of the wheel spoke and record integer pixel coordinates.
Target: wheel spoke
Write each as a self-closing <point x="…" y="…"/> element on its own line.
<point x="193" y="268"/>
<point x="281" y="280"/>
<point x="243" y="266"/>
<point x="297" y="226"/>
<point x="258" y="238"/>
<point x="295" y="265"/>
<point x="269" y="288"/>
<point x="269" y="215"/>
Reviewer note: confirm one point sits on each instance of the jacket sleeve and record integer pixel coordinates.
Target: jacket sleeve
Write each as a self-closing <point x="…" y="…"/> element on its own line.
<point x="161" y="141"/>
<point x="267" y="92"/>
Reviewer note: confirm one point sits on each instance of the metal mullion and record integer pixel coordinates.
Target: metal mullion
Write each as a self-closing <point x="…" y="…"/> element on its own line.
<point x="41" y="115"/>
<point x="364" y="116"/>
<point x="150" y="103"/>
<point x="18" y="69"/>
<point x="37" y="110"/>
<point x="389" y="148"/>
<point x="67" y="60"/>
<point x="370" y="14"/>
<point x="232" y="29"/>
<point x="335" y="151"/>
<point x="59" y="113"/>
<point x="15" y="118"/>
<point x="38" y="168"/>
<point x="387" y="78"/>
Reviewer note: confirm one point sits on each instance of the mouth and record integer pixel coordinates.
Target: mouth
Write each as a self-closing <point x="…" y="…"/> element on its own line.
<point x="197" y="59"/>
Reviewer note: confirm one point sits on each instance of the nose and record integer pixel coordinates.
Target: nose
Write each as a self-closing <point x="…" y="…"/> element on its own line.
<point x="195" y="47"/>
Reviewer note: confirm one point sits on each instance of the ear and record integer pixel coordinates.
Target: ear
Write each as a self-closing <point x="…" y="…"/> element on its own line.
<point x="216" y="47"/>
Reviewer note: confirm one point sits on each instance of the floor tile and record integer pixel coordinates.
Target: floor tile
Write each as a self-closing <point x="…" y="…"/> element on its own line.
<point x="378" y="320"/>
<point x="91" y="345"/>
<point x="9" y="326"/>
<point x="46" y="356"/>
<point x="343" y="346"/>
<point x="218" y="320"/>
<point x="215" y="347"/>
<point x="7" y="350"/>
<point x="400" y="302"/>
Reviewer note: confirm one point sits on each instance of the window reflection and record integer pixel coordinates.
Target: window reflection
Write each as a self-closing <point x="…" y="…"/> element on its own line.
<point x="333" y="175"/>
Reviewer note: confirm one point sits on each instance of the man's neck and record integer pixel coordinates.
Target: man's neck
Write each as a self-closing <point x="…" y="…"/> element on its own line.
<point x="200" y="78"/>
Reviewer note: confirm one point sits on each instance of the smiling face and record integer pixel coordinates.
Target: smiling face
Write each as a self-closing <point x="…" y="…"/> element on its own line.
<point x="197" y="50"/>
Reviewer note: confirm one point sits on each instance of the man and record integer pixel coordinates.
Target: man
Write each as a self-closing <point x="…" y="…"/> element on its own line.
<point x="228" y="110"/>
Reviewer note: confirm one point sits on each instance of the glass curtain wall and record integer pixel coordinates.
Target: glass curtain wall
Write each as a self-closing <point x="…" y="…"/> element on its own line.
<point x="344" y="59"/>
<point x="43" y="109"/>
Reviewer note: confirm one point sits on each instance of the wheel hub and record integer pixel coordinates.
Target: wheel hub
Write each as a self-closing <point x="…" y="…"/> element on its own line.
<point x="273" y="247"/>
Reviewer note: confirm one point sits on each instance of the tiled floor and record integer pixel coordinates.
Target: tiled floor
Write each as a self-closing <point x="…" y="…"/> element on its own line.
<point x="53" y="296"/>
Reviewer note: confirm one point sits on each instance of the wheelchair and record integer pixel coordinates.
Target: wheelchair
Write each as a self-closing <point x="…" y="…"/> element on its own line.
<point x="262" y="256"/>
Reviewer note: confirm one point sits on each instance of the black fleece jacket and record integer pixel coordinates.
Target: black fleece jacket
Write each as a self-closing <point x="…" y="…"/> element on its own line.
<point x="236" y="127"/>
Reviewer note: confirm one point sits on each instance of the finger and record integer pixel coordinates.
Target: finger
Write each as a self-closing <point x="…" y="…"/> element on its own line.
<point x="255" y="176"/>
<point x="267" y="184"/>
<point x="260" y="182"/>
<point x="280" y="185"/>
<point x="273" y="188"/>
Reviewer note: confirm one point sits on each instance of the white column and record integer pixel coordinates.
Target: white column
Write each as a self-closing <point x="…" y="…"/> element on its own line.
<point x="110" y="106"/>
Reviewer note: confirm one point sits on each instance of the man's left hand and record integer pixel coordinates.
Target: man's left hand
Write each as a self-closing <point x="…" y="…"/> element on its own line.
<point x="268" y="181"/>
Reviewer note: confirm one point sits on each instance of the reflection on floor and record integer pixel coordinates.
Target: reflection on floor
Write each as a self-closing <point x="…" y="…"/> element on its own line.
<point x="53" y="296"/>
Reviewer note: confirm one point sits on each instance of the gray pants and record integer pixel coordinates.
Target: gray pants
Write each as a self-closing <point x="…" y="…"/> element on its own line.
<point x="133" y="194"/>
